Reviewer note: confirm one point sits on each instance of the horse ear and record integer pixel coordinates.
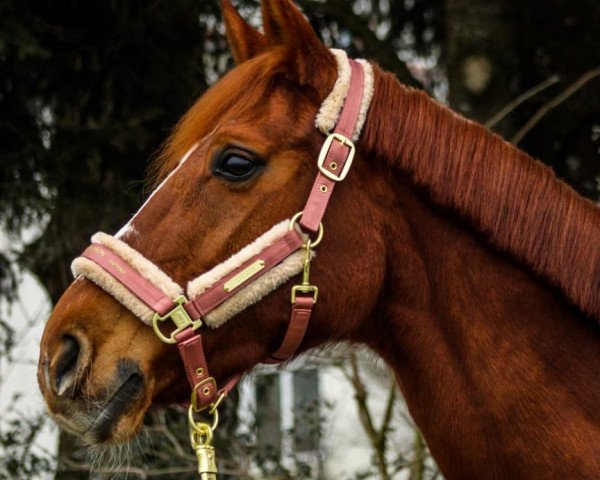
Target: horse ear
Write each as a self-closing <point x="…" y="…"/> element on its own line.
<point x="285" y="26"/>
<point x="244" y="41"/>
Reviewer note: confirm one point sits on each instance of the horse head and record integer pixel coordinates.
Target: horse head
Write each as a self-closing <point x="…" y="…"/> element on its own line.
<point x="240" y="161"/>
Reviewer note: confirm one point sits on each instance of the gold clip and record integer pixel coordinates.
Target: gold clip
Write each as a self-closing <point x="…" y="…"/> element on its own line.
<point x="179" y="317"/>
<point x="201" y="436"/>
<point x="305" y="286"/>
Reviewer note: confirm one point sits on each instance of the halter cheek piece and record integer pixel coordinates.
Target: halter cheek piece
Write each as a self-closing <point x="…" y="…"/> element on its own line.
<point x="252" y="273"/>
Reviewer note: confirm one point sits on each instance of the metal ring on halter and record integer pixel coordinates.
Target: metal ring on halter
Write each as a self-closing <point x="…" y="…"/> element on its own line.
<point x="317" y="241"/>
<point x="201" y="435"/>
<point x="194" y="425"/>
<point x="213" y="407"/>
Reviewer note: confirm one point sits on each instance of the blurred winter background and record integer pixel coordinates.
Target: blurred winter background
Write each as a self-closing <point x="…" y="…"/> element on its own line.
<point x="88" y="90"/>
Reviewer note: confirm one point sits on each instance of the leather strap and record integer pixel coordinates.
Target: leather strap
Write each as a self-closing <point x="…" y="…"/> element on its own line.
<point x="273" y="255"/>
<point x="191" y="351"/>
<point x="301" y="311"/>
<point x="201" y="382"/>
<point x="124" y="273"/>
<point x="204" y="386"/>
<point x="337" y="156"/>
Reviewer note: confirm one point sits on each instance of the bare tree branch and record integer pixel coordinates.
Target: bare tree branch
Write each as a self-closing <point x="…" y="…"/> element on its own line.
<point x="555" y="102"/>
<point x="389" y="410"/>
<point x="532" y="92"/>
<point x="164" y="429"/>
<point x="377" y="438"/>
<point x="417" y="471"/>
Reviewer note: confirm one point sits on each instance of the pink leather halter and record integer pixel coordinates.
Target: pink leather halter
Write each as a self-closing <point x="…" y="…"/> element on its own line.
<point x="334" y="164"/>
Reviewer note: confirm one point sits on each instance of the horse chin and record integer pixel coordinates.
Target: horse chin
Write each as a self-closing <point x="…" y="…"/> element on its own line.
<point x="114" y="417"/>
<point x="117" y="419"/>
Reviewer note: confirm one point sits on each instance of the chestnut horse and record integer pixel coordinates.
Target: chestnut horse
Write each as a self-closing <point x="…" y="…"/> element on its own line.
<point x="461" y="261"/>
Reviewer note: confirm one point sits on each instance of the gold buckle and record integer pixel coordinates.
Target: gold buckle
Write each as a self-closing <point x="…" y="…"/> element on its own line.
<point x="305" y="289"/>
<point x="346" y="142"/>
<point x="179" y="317"/>
<point x="194" y="401"/>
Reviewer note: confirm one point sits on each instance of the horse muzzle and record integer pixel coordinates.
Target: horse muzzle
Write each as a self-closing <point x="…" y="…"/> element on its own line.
<point x="95" y="414"/>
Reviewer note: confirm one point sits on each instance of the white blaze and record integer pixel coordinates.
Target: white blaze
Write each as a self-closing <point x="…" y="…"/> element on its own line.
<point x="128" y="228"/>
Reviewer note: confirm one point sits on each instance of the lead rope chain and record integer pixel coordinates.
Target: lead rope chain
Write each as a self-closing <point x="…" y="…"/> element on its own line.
<point x="201" y="436"/>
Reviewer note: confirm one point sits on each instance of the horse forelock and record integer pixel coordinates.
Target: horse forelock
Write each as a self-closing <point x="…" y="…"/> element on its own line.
<point x="514" y="201"/>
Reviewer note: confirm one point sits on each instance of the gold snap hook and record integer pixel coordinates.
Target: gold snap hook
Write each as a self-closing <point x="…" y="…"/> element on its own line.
<point x="305" y="286"/>
<point x="201" y="437"/>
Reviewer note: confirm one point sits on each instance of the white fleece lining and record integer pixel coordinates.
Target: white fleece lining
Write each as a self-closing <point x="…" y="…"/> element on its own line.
<point x="94" y="272"/>
<point x="258" y="289"/>
<point x="208" y="279"/>
<point x="142" y="265"/>
<point x="368" y="92"/>
<point x="332" y="106"/>
<point x="247" y="296"/>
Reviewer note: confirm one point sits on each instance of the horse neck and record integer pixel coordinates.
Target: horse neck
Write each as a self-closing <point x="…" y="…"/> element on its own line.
<point x="499" y="370"/>
<point x="515" y="201"/>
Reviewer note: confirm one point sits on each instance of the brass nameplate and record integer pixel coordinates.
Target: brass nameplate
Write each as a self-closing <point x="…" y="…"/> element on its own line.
<point x="244" y="275"/>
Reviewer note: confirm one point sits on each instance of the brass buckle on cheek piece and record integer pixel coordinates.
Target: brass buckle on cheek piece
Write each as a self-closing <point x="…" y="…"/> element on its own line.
<point x="179" y="317"/>
<point x="344" y="141"/>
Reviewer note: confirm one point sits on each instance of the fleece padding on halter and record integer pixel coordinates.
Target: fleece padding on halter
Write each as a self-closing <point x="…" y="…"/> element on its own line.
<point x="330" y="110"/>
<point x="258" y="287"/>
<point x="104" y="279"/>
<point x="254" y="291"/>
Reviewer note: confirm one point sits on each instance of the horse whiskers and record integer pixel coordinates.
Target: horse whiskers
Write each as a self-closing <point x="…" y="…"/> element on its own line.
<point x="118" y="459"/>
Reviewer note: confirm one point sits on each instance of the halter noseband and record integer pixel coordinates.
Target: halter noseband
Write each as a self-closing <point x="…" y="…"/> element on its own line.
<point x="250" y="274"/>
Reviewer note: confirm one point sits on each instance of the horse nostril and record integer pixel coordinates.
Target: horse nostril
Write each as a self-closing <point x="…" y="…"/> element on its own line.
<point x="66" y="366"/>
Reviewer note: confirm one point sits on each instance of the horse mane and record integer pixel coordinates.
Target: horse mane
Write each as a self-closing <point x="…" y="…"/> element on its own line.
<point x="514" y="201"/>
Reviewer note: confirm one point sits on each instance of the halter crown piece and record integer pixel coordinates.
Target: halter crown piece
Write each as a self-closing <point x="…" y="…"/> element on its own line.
<point x="214" y="297"/>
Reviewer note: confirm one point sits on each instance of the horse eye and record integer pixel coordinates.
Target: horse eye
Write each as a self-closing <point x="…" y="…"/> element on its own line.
<point x="235" y="166"/>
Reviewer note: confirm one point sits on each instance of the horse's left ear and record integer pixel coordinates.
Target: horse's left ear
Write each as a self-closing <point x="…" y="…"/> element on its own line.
<point x="285" y="26"/>
<point x="244" y="41"/>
